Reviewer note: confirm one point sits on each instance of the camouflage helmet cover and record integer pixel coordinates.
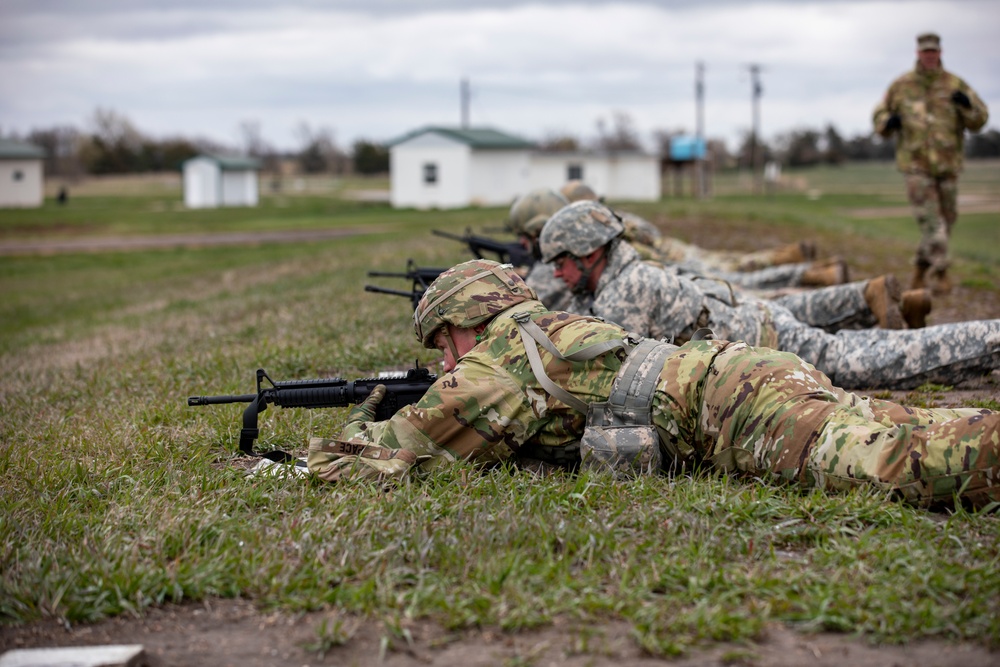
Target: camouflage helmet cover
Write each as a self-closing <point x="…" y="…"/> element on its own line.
<point x="640" y="230"/>
<point x="530" y="211"/>
<point x="578" y="191"/>
<point x="579" y="229"/>
<point x="467" y="294"/>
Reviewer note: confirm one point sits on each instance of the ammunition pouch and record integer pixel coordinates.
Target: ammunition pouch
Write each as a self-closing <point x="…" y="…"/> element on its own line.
<point x="619" y="437"/>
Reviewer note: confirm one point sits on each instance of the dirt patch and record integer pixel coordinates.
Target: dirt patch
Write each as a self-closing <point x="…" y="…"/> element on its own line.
<point x="233" y="632"/>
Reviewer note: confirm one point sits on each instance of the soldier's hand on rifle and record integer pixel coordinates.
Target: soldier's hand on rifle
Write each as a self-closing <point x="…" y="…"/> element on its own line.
<point x="894" y="123"/>
<point x="961" y="99"/>
<point x="365" y="410"/>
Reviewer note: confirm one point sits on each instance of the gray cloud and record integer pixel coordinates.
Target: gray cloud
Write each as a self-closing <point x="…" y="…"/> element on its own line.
<point x="379" y="68"/>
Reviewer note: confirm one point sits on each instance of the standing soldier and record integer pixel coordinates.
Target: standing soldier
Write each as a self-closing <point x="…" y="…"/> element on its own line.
<point x="522" y="382"/>
<point x="929" y="110"/>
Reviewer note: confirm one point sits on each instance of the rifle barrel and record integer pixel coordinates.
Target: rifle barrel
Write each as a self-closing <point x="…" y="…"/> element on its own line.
<point x="220" y="400"/>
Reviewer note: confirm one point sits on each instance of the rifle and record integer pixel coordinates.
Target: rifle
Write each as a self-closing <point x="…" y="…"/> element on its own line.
<point x="400" y="389"/>
<point x="508" y="252"/>
<point x="422" y="276"/>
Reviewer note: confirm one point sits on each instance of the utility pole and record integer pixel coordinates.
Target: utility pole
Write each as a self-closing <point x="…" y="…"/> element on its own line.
<point x="755" y="151"/>
<point x="464" y="93"/>
<point x="699" y="96"/>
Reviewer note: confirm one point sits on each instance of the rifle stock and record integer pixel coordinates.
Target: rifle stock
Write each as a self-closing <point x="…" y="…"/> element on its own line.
<point x="400" y="390"/>
<point x="508" y="252"/>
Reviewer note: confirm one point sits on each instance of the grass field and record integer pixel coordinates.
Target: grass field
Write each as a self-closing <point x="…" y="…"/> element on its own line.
<point x="117" y="497"/>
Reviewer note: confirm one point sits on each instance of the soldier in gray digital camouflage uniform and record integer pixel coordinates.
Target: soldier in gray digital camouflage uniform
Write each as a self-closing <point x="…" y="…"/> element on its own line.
<point x="856" y="305"/>
<point x="522" y="382"/>
<point x="786" y="266"/>
<point x="583" y="240"/>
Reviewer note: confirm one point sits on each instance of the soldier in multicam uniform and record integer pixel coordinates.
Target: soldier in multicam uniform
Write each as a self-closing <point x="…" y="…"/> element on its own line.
<point x="522" y="382"/>
<point x="787" y="266"/>
<point x="929" y="109"/>
<point x="584" y="240"/>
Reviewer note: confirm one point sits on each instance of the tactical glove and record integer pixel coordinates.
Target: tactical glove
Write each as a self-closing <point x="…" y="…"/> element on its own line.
<point x="365" y="410"/>
<point x="894" y="123"/>
<point x="961" y="99"/>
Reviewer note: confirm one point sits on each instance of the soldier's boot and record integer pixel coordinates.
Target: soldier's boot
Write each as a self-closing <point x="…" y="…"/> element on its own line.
<point x="919" y="277"/>
<point x="940" y="282"/>
<point x="883" y="295"/>
<point x="915" y="304"/>
<point x="793" y="253"/>
<point x="825" y="274"/>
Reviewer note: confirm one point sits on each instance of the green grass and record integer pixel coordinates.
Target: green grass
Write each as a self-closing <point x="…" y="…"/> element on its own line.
<point x="115" y="496"/>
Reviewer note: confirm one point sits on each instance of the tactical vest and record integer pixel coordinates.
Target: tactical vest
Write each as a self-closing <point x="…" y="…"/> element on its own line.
<point x="619" y="436"/>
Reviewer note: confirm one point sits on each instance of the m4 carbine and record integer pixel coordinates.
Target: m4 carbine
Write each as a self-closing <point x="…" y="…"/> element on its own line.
<point x="400" y="389"/>
<point x="421" y="276"/>
<point x="507" y="252"/>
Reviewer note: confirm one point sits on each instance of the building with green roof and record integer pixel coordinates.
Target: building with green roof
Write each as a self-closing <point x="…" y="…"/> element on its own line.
<point x="21" y="174"/>
<point x="211" y="181"/>
<point x="449" y="167"/>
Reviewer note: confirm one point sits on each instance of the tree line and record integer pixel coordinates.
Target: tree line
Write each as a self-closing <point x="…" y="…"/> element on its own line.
<point x="113" y="145"/>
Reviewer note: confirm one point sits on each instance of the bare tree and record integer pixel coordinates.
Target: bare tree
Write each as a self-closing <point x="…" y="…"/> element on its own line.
<point x="555" y="141"/>
<point x="319" y="151"/>
<point x="622" y="135"/>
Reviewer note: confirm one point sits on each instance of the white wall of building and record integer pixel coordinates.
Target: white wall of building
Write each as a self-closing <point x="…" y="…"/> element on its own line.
<point x="499" y="176"/>
<point x="21" y="183"/>
<point x="201" y="183"/>
<point x="634" y="178"/>
<point x="630" y="177"/>
<point x="239" y="188"/>
<point x="408" y="165"/>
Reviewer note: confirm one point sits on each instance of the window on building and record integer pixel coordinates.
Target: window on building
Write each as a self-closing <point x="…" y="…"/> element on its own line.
<point x="574" y="172"/>
<point x="430" y="173"/>
<point x="18" y="175"/>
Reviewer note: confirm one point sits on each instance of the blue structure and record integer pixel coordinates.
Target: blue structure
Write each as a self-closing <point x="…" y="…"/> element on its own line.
<point x="686" y="148"/>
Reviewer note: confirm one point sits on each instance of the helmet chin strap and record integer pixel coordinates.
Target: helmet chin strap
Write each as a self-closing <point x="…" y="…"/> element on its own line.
<point x="451" y="342"/>
<point x="580" y="288"/>
<point x="581" y="285"/>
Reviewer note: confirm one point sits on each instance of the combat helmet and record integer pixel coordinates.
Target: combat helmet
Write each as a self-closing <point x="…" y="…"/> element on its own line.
<point x="579" y="229"/>
<point x="466" y="295"/>
<point x="640" y="230"/>
<point x="530" y="211"/>
<point x="578" y="191"/>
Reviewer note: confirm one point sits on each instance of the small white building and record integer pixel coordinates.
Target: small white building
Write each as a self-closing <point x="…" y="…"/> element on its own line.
<point x="214" y="180"/>
<point x="442" y="167"/>
<point x="21" y="174"/>
<point x="445" y="167"/>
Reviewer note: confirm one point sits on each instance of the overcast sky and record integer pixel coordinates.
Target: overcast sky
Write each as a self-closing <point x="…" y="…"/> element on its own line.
<point x="379" y="68"/>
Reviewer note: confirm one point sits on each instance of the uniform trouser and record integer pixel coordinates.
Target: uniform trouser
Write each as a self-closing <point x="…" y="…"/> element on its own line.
<point x="773" y="277"/>
<point x="893" y="359"/>
<point x="934" y="202"/>
<point x="831" y="308"/>
<point x="674" y="250"/>
<point x="768" y="413"/>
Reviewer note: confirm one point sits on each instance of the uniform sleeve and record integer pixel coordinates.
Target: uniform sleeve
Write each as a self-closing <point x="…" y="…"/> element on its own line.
<point x="475" y="413"/>
<point x="882" y="113"/>
<point x="975" y="118"/>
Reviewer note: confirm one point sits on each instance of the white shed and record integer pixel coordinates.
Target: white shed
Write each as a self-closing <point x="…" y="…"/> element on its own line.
<point x="618" y="175"/>
<point x="21" y="174"/>
<point x="214" y="180"/>
<point x="442" y="167"/>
